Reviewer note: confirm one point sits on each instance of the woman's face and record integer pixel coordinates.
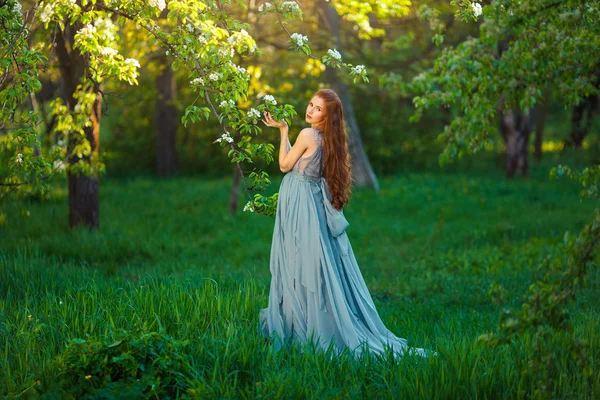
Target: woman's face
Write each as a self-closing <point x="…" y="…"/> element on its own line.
<point x="315" y="111"/>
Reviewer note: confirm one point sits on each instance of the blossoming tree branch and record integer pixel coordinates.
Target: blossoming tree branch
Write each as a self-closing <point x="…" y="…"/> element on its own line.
<point x="201" y="36"/>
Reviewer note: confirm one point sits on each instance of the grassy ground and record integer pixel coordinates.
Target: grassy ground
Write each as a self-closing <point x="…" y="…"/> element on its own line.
<point x="168" y="257"/>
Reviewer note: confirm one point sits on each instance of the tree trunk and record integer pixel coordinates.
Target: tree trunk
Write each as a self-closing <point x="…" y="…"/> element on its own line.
<point x="516" y="128"/>
<point x="166" y="122"/>
<point x="362" y="172"/>
<point x="234" y="194"/>
<point x="540" y="123"/>
<point x="84" y="203"/>
<point x="581" y="121"/>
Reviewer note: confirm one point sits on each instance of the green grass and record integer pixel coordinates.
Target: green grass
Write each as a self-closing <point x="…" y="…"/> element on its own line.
<point x="168" y="256"/>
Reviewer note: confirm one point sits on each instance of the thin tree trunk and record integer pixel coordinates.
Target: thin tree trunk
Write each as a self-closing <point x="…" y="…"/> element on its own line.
<point x="516" y="128"/>
<point x="540" y="123"/>
<point x="234" y="194"/>
<point x="362" y="172"/>
<point x="166" y="123"/>
<point x="84" y="202"/>
<point x="581" y="121"/>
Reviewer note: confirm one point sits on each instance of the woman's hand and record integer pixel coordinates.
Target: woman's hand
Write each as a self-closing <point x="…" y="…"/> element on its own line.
<point x="269" y="121"/>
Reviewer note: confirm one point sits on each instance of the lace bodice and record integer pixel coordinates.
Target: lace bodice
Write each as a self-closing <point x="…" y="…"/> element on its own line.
<point x="311" y="165"/>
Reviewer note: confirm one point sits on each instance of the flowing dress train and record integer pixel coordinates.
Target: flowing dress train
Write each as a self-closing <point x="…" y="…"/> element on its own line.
<point x="317" y="291"/>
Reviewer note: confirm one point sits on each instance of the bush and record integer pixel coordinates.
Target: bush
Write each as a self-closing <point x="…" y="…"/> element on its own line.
<point x="139" y="365"/>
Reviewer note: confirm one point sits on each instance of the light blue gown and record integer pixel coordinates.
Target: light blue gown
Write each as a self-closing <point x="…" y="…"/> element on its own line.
<point x="317" y="292"/>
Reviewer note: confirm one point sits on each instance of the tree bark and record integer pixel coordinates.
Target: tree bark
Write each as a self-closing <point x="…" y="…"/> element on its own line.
<point x="166" y="122"/>
<point x="362" y="172"/>
<point x="84" y="203"/>
<point x="581" y="121"/>
<point x="540" y="123"/>
<point x="515" y="127"/>
<point x="234" y="194"/>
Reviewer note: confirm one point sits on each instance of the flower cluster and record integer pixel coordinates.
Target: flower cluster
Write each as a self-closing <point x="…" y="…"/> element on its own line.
<point x="289" y="6"/>
<point x="106" y="29"/>
<point x="215" y="76"/>
<point x="359" y="69"/>
<point x="108" y="51"/>
<point x="58" y="165"/>
<point x="254" y="113"/>
<point x="225" y="52"/>
<point x="240" y="70"/>
<point x="237" y="36"/>
<point x="333" y="53"/>
<point x="17" y="8"/>
<point x="132" y="61"/>
<point x="263" y="7"/>
<point x="227" y="103"/>
<point x="249" y="207"/>
<point x="477" y="10"/>
<point x="226" y="137"/>
<point x="270" y="99"/>
<point x="160" y="4"/>
<point x="47" y="12"/>
<point x="19" y="158"/>
<point x="87" y="31"/>
<point x="197" y="81"/>
<point x="299" y="39"/>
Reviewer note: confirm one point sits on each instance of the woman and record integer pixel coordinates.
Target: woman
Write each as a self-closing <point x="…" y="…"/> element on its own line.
<point x="317" y="292"/>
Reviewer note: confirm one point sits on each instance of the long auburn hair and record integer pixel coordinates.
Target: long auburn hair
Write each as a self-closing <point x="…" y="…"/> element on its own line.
<point x="336" y="162"/>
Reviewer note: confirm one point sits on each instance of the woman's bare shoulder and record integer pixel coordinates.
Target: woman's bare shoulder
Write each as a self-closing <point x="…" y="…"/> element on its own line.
<point x="308" y="133"/>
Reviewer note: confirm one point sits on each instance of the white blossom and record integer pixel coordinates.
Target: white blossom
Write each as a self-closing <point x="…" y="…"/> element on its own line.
<point x="359" y="69"/>
<point x="289" y="5"/>
<point x="225" y="137"/>
<point x="59" y="165"/>
<point x="47" y="13"/>
<point x="240" y="70"/>
<point x="476" y="9"/>
<point x="197" y="81"/>
<point x="226" y="52"/>
<point x="19" y="158"/>
<point x="17" y="8"/>
<point x="227" y="103"/>
<point x="214" y="76"/>
<point x="106" y="28"/>
<point x="109" y="51"/>
<point x="77" y="108"/>
<point x="249" y="207"/>
<point x="160" y="4"/>
<point x="263" y="7"/>
<point x="132" y="61"/>
<point x="87" y="31"/>
<point x="299" y="39"/>
<point x="270" y="99"/>
<point x="254" y="113"/>
<point x="333" y="53"/>
<point x="365" y="26"/>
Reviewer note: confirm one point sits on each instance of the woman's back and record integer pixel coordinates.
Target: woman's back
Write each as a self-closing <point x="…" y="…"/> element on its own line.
<point x="312" y="165"/>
